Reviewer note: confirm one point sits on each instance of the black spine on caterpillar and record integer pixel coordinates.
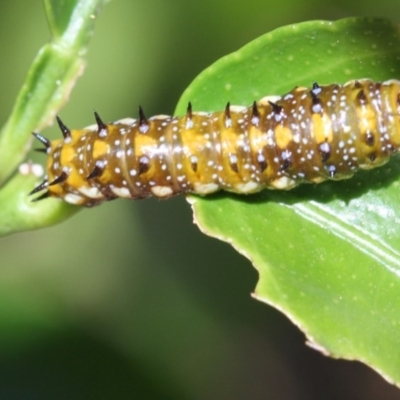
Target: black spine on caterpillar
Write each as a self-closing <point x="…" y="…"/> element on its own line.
<point x="307" y="135"/>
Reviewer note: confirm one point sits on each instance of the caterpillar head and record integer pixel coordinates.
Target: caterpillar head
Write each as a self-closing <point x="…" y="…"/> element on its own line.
<point x="67" y="175"/>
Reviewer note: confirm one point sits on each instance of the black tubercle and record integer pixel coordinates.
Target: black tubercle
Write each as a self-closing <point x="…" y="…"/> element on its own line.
<point x="41" y="150"/>
<point x="65" y="131"/>
<point x="97" y="171"/>
<point x="43" y="196"/>
<point x="315" y="91"/>
<point x="100" y="124"/>
<point x="143" y="122"/>
<point x="325" y="151"/>
<point x="255" y="114"/>
<point x="254" y="110"/>
<point x="194" y="166"/>
<point x="315" y="86"/>
<point x="362" y="98"/>
<point x="369" y="138"/>
<point x="275" y="107"/>
<point x="189" y="113"/>
<point x="233" y="163"/>
<point x="314" y="98"/>
<point x="45" y="184"/>
<point x="227" y="115"/>
<point x="60" y="179"/>
<point x="331" y="169"/>
<point x="286" y="157"/>
<point x="262" y="162"/>
<point x="372" y="157"/>
<point x="144" y="164"/>
<point x="227" y="112"/>
<point x="39" y="188"/>
<point x="43" y="140"/>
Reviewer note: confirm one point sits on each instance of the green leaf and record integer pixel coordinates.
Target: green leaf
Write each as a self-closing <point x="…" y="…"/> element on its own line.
<point x="19" y="212"/>
<point x="328" y="255"/>
<point x="46" y="89"/>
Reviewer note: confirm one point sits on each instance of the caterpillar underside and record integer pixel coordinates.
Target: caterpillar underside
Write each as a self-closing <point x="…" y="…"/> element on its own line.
<point x="308" y="135"/>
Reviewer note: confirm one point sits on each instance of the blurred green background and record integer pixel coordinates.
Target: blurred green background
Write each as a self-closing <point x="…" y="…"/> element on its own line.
<point x="129" y="300"/>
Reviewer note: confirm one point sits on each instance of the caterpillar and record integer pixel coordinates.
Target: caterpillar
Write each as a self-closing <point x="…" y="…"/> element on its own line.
<point x="307" y="135"/>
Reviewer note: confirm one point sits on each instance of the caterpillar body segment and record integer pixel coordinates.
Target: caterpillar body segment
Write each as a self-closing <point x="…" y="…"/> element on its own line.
<point x="308" y="135"/>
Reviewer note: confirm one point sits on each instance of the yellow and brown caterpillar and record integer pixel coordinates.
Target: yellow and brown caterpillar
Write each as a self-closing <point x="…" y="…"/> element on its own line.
<point x="308" y="135"/>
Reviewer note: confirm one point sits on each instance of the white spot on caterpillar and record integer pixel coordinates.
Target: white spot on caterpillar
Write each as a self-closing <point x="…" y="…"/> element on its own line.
<point x="91" y="192"/>
<point x="286" y="154"/>
<point x="205" y="188"/>
<point x="122" y="192"/>
<point x="318" y="179"/>
<point x="265" y="100"/>
<point x="237" y="109"/>
<point x="74" y="198"/>
<point x="283" y="183"/>
<point x="316" y="108"/>
<point x="162" y="191"/>
<point x="233" y="158"/>
<point x="346" y="128"/>
<point x="260" y="158"/>
<point x="143" y="128"/>
<point x="317" y="90"/>
<point x="123" y="121"/>
<point x="248" y="187"/>
<point x="160" y="117"/>
<point x="201" y="113"/>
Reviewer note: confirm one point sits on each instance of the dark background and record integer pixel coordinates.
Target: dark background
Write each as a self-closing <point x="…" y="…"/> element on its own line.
<point x="130" y="300"/>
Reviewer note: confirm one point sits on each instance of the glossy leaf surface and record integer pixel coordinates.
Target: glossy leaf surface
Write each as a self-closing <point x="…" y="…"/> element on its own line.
<point x="328" y="255"/>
